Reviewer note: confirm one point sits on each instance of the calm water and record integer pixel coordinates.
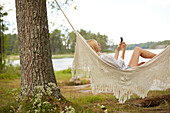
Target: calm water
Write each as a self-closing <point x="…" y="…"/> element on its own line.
<point x="58" y="64"/>
<point x="65" y="63"/>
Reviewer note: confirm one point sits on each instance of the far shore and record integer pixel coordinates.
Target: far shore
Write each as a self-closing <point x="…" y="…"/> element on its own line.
<point x="16" y="57"/>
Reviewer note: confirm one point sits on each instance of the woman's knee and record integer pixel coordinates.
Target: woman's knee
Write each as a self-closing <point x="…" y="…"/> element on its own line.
<point x="137" y="49"/>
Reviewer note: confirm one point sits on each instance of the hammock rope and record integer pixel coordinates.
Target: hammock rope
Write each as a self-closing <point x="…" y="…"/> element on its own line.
<point x="65" y="16"/>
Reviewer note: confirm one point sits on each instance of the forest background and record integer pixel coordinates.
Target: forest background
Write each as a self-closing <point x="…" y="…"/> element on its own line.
<point x="64" y="43"/>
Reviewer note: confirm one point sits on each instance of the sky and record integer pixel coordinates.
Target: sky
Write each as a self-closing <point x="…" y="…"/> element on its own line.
<point x="137" y="21"/>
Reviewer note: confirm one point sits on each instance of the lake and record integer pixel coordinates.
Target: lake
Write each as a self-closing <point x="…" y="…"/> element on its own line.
<point x="65" y="63"/>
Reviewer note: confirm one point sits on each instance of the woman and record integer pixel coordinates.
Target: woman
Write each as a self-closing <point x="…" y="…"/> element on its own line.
<point x="120" y="63"/>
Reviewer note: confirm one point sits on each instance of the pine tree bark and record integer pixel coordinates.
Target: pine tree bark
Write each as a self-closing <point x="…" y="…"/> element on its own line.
<point x="34" y="45"/>
<point x="0" y="49"/>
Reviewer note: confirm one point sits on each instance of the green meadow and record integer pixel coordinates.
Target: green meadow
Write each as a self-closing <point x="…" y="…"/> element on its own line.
<point x="78" y="98"/>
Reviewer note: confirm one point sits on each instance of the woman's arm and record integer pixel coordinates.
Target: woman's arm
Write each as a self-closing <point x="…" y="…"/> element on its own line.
<point x="116" y="54"/>
<point x="123" y="54"/>
<point x="117" y="51"/>
<point x="124" y="49"/>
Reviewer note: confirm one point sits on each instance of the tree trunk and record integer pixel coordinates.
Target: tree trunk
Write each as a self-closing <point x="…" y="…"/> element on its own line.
<point x="0" y="49"/>
<point x="34" y="46"/>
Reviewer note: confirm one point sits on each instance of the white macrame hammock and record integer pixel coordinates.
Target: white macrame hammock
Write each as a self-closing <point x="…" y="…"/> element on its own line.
<point x="122" y="83"/>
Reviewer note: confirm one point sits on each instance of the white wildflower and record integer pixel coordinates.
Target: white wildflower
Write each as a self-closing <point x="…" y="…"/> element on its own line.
<point x="45" y="102"/>
<point x="52" y="84"/>
<point x="36" y="111"/>
<point x="39" y="96"/>
<point x="62" y="112"/>
<point x="105" y="111"/>
<point x="12" y="107"/>
<point x="69" y="109"/>
<point x="14" y="89"/>
<point x="49" y="92"/>
<point x="34" y="103"/>
<point x="39" y="105"/>
<point x="40" y="89"/>
<point x="59" y="99"/>
<point x="19" y="107"/>
<point x="66" y="107"/>
<point x="17" y="98"/>
<point x="102" y="106"/>
<point x="54" y="108"/>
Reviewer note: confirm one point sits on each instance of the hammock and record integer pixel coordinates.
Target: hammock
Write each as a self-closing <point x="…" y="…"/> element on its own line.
<point x="122" y="83"/>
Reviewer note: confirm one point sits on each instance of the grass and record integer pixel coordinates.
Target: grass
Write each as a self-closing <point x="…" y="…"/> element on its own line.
<point x="63" y="75"/>
<point x="81" y="101"/>
<point x="87" y="99"/>
<point x="6" y="97"/>
<point x="63" y="56"/>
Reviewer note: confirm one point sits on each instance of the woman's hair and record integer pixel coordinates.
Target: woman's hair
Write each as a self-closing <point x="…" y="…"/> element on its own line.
<point x="93" y="44"/>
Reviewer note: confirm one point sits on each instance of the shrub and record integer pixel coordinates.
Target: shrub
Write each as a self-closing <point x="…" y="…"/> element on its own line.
<point x="10" y="72"/>
<point x="8" y="76"/>
<point x="67" y="70"/>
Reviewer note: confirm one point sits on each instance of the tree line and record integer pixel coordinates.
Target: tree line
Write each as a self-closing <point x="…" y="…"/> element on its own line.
<point x="149" y="45"/>
<point x="64" y="43"/>
<point x="60" y="43"/>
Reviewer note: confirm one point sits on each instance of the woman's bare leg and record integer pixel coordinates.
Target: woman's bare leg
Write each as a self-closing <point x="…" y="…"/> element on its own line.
<point x="139" y="52"/>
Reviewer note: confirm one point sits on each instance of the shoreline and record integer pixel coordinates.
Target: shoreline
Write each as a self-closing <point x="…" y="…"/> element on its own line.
<point x="16" y="57"/>
<point x="59" y="56"/>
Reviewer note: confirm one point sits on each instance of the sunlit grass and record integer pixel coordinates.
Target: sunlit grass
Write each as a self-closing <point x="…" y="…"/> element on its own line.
<point x="64" y="75"/>
<point x="16" y="57"/>
<point x="63" y="56"/>
<point x="6" y="97"/>
<point x="81" y="101"/>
